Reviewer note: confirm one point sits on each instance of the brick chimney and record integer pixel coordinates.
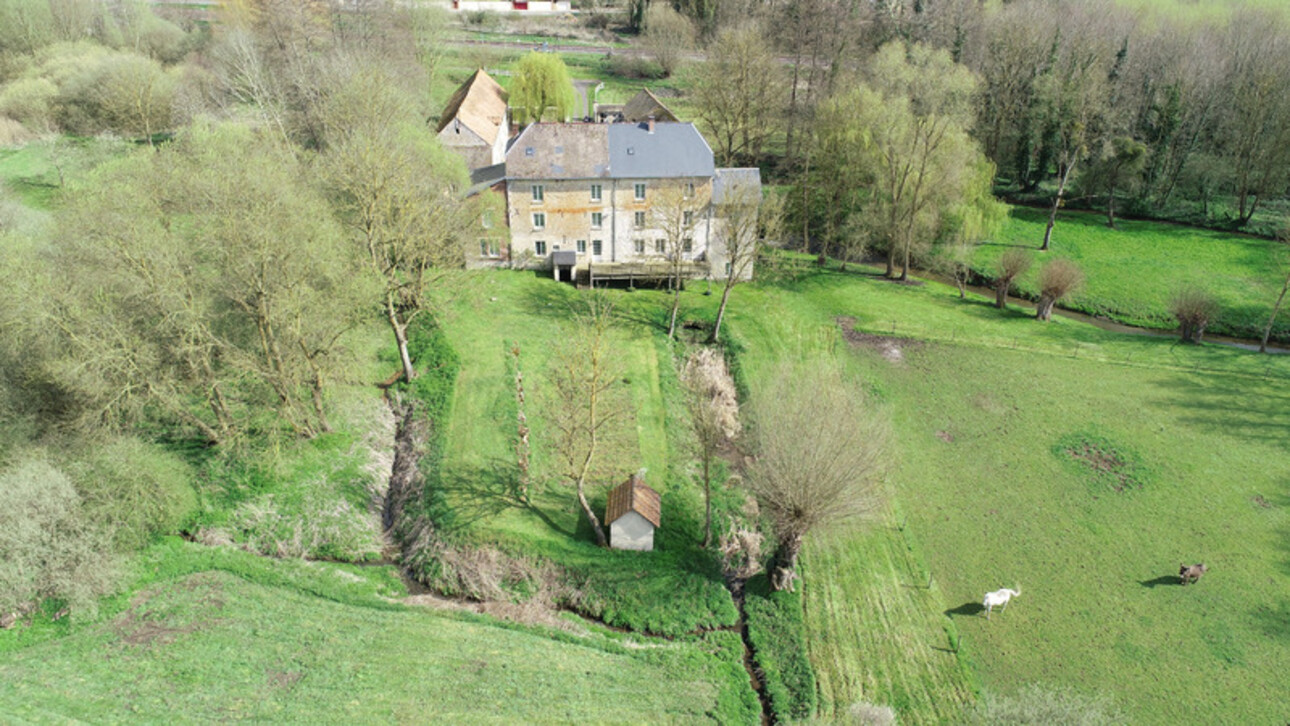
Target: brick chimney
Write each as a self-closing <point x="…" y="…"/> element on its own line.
<point x="651" y="123"/>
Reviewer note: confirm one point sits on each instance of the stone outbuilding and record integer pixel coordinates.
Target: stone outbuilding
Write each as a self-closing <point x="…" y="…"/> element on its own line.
<point x="632" y="515"/>
<point x="475" y="123"/>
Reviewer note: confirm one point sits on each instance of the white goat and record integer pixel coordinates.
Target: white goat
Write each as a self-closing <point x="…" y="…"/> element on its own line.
<point x="999" y="597"/>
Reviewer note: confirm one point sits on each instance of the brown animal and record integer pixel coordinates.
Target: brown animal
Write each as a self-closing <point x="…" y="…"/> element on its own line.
<point x="1191" y="573"/>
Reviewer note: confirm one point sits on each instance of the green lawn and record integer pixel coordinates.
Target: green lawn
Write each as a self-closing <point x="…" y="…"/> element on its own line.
<point x="215" y="646"/>
<point x="978" y="406"/>
<point x="1134" y="270"/>
<point x="672" y="590"/>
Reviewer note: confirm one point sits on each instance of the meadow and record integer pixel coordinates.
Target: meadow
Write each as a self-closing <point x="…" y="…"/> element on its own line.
<point x="1134" y="270"/>
<point x="222" y="634"/>
<point x="986" y="407"/>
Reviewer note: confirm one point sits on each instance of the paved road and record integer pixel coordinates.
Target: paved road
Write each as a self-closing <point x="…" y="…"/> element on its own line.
<point x="581" y="86"/>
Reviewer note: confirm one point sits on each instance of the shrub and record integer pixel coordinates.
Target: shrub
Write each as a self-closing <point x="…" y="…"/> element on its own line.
<point x="625" y="66"/>
<point x="126" y="93"/>
<point x="49" y="546"/>
<point x="483" y="19"/>
<point x="1057" y="279"/>
<point x="1194" y="309"/>
<point x="139" y="491"/>
<point x="28" y="101"/>
<point x="1012" y="264"/>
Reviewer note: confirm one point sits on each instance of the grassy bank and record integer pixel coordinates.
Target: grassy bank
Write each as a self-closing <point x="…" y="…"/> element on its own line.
<point x="1134" y="270"/>
<point x="216" y="643"/>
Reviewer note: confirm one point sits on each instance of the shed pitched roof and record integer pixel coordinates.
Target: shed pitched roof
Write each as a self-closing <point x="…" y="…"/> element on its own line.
<point x="670" y="150"/>
<point x="479" y="105"/>
<point x="633" y="496"/>
<point x="559" y="151"/>
<point x="646" y="104"/>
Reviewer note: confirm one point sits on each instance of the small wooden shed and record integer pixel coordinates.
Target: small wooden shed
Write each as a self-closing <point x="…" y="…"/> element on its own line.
<point x="633" y="513"/>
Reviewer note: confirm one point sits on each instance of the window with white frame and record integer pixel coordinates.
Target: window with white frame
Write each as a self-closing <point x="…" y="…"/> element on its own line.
<point x="689" y="189"/>
<point x="687" y="218"/>
<point x="538" y="194"/>
<point x="539" y="247"/>
<point x="640" y="220"/>
<point x="660" y="246"/>
<point x="640" y="191"/>
<point x="596" y="247"/>
<point x="640" y="246"/>
<point x="539" y="220"/>
<point x="582" y="246"/>
<point x="687" y="245"/>
<point x="597" y="220"/>
<point x="596" y="191"/>
<point x="489" y="248"/>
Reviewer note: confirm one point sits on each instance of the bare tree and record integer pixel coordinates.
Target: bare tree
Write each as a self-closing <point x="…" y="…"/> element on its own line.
<point x="807" y="481"/>
<point x="1276" y="307"/>
<point x="585" y="382"/>
<point x="668" y="35"/>
<point x="1057" y="279"/>
<point x="1012" y="264"/>
<point x="1072" y="99"/>
<point x="400" y="194"/>
<point x="521" y="427"/>
<point x="710" y="399"/>
<point x="738" y="94"/>
<point x="743" y="220"/>
<point x="677" y="211"/>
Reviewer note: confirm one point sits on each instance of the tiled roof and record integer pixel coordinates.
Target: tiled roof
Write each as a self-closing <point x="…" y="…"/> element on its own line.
<point x="479" y="105"/>
<point x="559" y="151"/>
<point x="646" y="104"/>
<point x="633" y="496"/>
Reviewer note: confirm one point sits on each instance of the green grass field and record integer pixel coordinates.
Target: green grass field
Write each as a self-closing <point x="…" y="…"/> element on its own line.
<point x="1133" y="271"/>
<point x="673" y="590"/>
<point x="215" y="646"/>
<point x="978" y="405"/>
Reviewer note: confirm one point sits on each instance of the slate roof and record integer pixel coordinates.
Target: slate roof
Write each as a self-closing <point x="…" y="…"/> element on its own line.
<point x="728" y="181"/>
<point x="671" y="150"/>
<point x="609" y="151"/>
<point x="633" y="496"/>
<point x="479" y="105"/>
<point x="646" y="104"/>
<point x="559" y="151"/>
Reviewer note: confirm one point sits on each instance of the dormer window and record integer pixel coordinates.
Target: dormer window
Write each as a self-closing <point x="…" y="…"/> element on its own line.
<point x="528" y="151"/>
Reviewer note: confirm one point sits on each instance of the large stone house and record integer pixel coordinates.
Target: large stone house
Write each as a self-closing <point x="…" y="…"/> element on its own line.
<point x="597" y="201"/>
<point x="617" y="201"/>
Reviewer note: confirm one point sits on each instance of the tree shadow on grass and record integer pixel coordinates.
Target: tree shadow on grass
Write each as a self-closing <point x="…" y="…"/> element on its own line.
<point x="479" y="492"/>
<point x="967" y="608"/>
<point x="1162" y="581"/>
